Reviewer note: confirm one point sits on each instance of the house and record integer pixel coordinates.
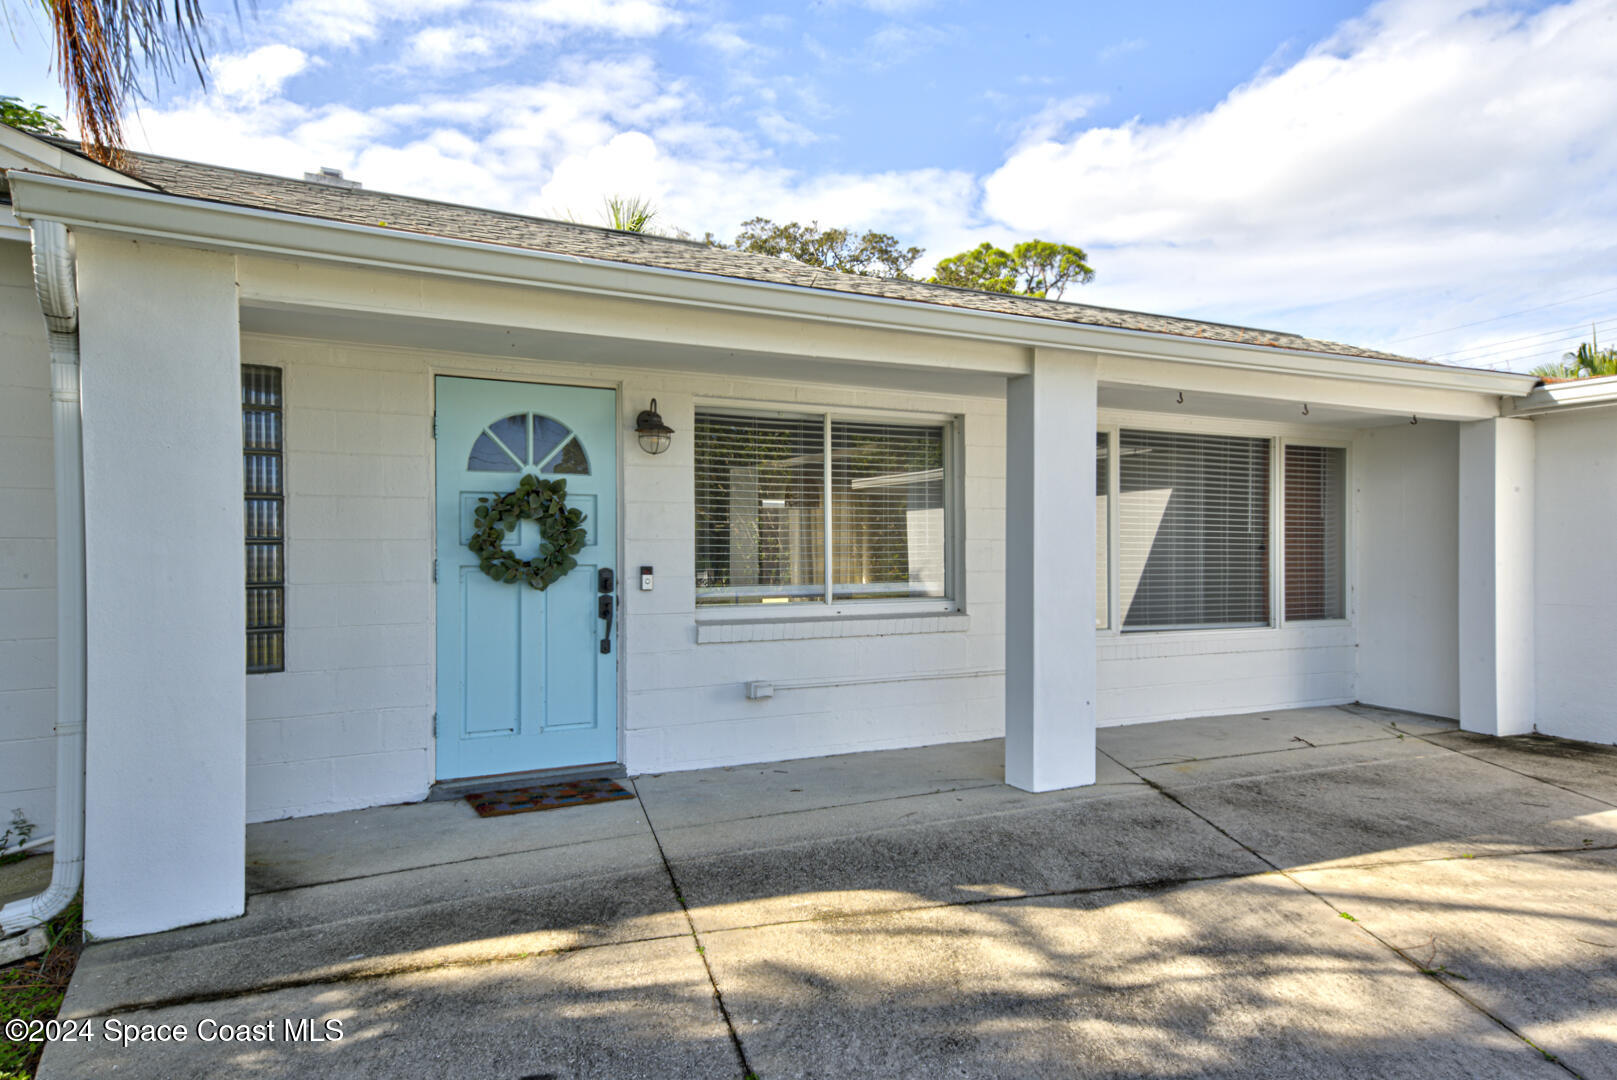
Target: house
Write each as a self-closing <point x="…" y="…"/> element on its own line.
<point x="247" y="421"/>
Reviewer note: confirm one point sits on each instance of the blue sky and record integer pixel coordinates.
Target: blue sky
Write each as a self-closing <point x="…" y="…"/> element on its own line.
<point x="1434" y="176"/>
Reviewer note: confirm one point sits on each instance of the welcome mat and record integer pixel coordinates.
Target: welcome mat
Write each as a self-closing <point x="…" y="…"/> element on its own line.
<point x="546" y="797"/>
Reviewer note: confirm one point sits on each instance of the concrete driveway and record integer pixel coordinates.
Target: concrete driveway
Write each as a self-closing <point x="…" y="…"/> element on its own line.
<point x="1317" y="893"/>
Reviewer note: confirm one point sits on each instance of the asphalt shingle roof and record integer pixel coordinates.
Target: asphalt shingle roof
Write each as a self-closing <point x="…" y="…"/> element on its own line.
<point x="360" y="206"/>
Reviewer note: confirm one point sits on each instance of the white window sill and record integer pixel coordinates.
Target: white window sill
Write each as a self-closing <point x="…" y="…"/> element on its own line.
<point x="717" y="631"/>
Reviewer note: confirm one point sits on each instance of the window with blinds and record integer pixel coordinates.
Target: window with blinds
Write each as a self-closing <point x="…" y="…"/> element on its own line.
<point x="760" y="509"/>
<point x="887" y="519"/>
<point x="780" y="521"/>
<point x="264" y="489"/>
<point x="1193" y="522"/>
<point x="1315" y="519"/>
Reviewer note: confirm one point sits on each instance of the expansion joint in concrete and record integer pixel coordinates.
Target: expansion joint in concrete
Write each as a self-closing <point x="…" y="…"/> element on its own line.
<point x="696" y="940"/>
<point x="1436" y="976"/>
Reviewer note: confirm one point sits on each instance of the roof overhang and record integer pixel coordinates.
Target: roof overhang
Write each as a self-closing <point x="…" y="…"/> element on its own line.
<point x="1566" y="396"/>
<point x="245" y="230"/>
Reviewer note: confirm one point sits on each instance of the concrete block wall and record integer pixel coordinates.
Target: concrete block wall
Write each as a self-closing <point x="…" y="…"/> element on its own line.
<point x="27" y="552"/>
<point x="1406" y="485"/>
<point x="686" y="706"/>
<point x="1215" y="672"/>
<point x="1575" y="585"/>
<point x="349" y="722"/>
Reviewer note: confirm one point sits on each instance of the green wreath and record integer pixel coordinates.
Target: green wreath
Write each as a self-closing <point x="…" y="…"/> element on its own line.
<point x="561" y="532"/>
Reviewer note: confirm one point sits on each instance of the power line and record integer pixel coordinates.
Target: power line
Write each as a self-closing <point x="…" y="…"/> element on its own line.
<point x="1546" y="348"/>
<point x="1454" y="355"/>
<point x="1496" y="318"/>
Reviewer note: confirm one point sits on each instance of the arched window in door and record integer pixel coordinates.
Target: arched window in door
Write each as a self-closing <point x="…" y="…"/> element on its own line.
<point x="528" y="441"/>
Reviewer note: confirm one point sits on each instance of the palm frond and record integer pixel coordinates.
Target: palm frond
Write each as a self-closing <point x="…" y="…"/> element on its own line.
<point x="105" y="47"/>
<point x="629" y="213"/>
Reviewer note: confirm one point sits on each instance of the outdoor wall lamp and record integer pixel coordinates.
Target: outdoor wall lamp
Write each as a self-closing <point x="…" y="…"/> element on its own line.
<point x="655" y="436"/>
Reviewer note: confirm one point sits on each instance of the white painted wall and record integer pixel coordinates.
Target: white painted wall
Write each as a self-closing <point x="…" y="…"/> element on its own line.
<point x="27" y="551"/>
<point x="1575" y="589"/>
<point x="1050" y="666"/>
<point x="1495" y="567"/>
<point x="348" y="724"/>
<point x="1406" y="488"/>
<point x="164" y="773"/>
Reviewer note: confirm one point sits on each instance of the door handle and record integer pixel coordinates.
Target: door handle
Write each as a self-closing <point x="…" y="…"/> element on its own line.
<point x="603" y="609"/>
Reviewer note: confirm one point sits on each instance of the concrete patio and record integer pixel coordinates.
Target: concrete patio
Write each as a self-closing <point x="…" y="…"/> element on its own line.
<point x="1343" y="892"/>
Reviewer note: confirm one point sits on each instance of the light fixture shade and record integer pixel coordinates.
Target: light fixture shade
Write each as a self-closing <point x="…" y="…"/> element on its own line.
<point x="655" y="436"/>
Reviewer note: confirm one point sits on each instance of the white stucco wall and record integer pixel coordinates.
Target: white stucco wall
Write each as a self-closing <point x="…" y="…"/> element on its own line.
<point x="1406" y="481"/>
<point x="164" y="651"/>
<point x="27" y="552"/>
<point x="1575" y="590"/>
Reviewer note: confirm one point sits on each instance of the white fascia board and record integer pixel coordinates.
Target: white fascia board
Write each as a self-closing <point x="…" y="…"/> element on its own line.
<point x="36" y="153"/>
<point x="247" y="230"/>
<point x="1564" y="396"/>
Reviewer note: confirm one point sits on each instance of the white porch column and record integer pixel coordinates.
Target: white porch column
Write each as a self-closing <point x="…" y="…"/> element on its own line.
<point x="1496" y="576"/>
<point x="1050" y="573"/>
<point x="165" y="769"/>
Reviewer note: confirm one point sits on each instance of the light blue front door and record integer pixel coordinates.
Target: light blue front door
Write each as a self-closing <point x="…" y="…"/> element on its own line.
<point x="523" y="681"/>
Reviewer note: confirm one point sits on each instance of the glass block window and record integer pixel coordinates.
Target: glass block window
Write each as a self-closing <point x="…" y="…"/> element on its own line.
<point x="264" y="487"/>
<point x="1103" y="528"/>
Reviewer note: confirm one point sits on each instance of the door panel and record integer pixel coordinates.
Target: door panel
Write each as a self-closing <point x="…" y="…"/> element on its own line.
<point x="522" y="683"/>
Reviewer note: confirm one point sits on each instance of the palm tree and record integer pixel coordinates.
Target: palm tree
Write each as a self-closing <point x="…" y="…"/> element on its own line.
<point x="1589" y="362"/>
<point x="103" y="47"/>
<point x="630" y="213"/>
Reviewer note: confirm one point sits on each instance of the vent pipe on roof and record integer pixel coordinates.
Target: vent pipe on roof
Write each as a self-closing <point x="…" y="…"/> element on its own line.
<point x="330" y="177"/>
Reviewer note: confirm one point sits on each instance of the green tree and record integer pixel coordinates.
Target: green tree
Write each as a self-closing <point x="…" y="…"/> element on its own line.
<point x="1031" y="268"/>
<point x="871" y="254"/>
<point x="30" y="118"/>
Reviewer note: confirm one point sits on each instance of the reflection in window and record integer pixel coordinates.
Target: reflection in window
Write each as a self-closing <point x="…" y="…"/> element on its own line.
<point x="760" y="514"/>
<point x="571" y="460"/>
<point x="527" y="440"/>
<point x="887" y="510"/>
<point x="489" y="456"/>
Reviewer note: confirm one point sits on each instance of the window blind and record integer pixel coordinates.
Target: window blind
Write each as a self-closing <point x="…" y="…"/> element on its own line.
<point x="1193" y="518"/>
<point x="760" y="524"/>
<point x="264" y="489"/>
<point x="1316" y="499"/>
<point x="887" y="514"/>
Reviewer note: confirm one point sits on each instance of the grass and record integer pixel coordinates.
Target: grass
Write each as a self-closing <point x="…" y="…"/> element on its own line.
<point x="33" y="990"/>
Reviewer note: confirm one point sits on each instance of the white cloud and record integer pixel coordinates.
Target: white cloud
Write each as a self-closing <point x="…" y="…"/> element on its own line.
<point x="254" y="76"/>
<point x="446" y="48"/>
<point x="783" y="129"/>
<point x="1423" y="143"/>
<point x="1429" y="165"/>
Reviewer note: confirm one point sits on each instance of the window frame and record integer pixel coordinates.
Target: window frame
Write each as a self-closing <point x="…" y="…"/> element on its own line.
<point x="1349" y="505"/>
<point x="826" y="606"/>
<point x="1279" y="435"/>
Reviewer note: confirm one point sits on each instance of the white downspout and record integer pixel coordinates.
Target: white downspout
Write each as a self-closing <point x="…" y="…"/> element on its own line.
<point x="59" y="300"/>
